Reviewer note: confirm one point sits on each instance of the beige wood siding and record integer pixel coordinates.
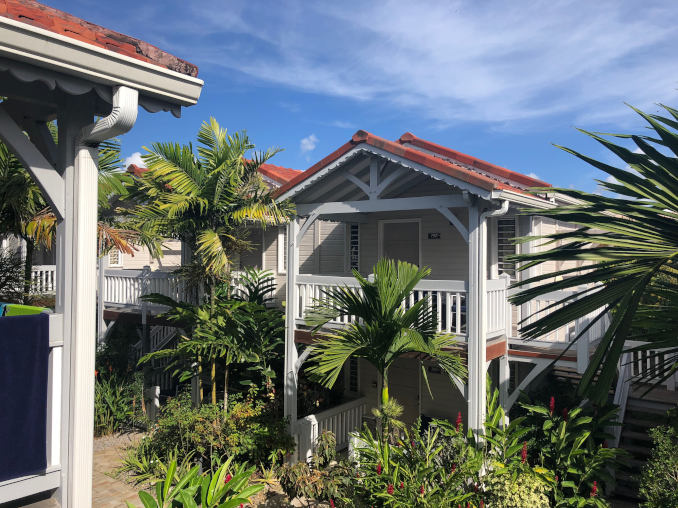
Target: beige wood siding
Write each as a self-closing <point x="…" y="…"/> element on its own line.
<point x="171" y="259"/>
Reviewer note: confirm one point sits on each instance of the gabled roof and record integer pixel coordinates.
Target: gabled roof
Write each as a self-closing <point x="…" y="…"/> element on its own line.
<point x="481" y="174"/>
<point x="471" y="162"/>
<point x="278" y="174"/>
<point x="62" y="23"/>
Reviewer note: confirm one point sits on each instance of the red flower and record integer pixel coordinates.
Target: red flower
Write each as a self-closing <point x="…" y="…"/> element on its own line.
<point x="421" y="490"/>
<point x="594" y="489"/>
<point x="96" y="373"/>
<point x="482" y="503"/>
<point x="475" y="487"/>
<point x="413" y="444"/>
<point x="402" y="485"/>
<point x="379" y="468"/>
<point x="458" y="422"/>
<point x="454" y="468"/>
<point x="389" y="489"/>
<point x="331" y="503"/>
<point x="565" y="414"/>
<point x="523" y="453"/>
<point x="556" y="478"/>
<point x="552" y="405"/>
<point x="228" y="478"/>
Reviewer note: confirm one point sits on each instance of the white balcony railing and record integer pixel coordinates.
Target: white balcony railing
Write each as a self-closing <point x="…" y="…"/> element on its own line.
<point x="340" y="420"/>
<point x="43" y="279"/>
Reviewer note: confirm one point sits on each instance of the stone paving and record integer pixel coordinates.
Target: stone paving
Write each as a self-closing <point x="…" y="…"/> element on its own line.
<point x="108" y="491"/>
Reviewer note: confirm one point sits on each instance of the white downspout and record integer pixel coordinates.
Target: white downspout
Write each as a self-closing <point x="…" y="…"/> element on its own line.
<point x="81" y="298"/>
<point x="482" y="320"/>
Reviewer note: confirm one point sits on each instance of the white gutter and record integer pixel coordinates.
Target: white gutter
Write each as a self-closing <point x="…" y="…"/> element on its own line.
<point x="121" y="119"/>
<point x="40" y="47"/>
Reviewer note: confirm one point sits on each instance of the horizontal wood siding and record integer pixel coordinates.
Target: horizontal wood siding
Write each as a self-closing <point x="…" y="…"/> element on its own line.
<point x="332" y="248"/>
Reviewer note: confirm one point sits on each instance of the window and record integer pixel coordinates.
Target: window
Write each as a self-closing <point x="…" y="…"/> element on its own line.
<point x="506" y="232"/>
<point x="282" y="250"/>
<point x="114" y="257"/>
<point x="353" y="375"/>
<point x="354" y="247"/>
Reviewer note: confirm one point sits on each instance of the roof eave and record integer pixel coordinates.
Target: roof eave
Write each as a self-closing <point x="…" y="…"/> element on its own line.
<point x="522" y="199"/>
<point x="40" y="47"/>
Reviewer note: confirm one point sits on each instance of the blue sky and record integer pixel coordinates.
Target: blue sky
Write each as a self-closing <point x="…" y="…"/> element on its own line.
<point x="499" y="80"/>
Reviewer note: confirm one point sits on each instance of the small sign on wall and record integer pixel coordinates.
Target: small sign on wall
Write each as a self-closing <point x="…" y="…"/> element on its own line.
<point x="434" y="236"/>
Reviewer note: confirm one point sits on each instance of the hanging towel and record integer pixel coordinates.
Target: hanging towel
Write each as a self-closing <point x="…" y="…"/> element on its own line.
<point x="16" y="309"/>
<point x="24" y="354"/>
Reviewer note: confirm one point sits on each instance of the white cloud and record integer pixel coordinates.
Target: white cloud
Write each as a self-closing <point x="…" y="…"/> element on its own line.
<point x="308" y="143"/>
<point x="342" y="124"/>
<point x="492" y="62"/>
<point x="135" y="158"/>
<point x="534" y="175"/>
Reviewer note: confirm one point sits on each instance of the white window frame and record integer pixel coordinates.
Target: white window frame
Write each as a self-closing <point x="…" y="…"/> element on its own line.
<point x="380" y="236"/>
<point x="282" y="234"/>
<point x="349" y="226"/>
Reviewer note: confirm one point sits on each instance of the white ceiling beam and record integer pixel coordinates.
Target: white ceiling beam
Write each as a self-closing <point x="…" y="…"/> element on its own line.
<point x="367" y="189"/>
<point x="454" y="220"/>
<point x="383" y="185"/>
<point x="332" y="182"/>
<point x="46" y="177"/>
<point x="381" y="205"/>
<point x="404" y="182"/>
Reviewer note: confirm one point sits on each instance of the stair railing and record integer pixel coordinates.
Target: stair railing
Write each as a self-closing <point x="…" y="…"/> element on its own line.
<point x="621" y="395"/>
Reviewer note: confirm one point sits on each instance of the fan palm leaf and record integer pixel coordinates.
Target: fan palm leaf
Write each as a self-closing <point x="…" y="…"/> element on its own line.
<point x="627" y="245"/>
<point x="383" y="329"/>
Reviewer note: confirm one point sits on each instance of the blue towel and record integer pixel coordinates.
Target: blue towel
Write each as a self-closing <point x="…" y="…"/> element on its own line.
<point x="24" y="355"/>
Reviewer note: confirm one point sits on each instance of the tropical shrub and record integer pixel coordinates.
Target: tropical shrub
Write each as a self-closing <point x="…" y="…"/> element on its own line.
<point x="11" y="277"/>
<point x="505" y="490"/>
<point x="117" y="403"/>
<point x="228" y="487"/>
<point x="659" y="480"/>
<point x="251" y="431"/>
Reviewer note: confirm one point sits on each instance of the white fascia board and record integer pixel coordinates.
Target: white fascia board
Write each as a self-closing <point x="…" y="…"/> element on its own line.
<point x="522" y="199"/>
<point x="364" y="147"/>
<point x="37" y="46"/>
<point x="381" y="205"/>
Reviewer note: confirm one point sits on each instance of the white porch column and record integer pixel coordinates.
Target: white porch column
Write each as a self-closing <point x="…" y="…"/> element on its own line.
<point x="291" y="311"/>
<point x="474" y="315"/>
<point x="504" y="380"/>
<point x="75" y="298"/>
<point x="101" y="324"/>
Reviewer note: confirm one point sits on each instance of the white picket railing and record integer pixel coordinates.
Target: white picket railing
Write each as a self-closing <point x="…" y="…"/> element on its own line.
<point x="43" y="279"/>
<point x="448" y="299"/>
<point x="340" y="420"/>
<point x="644" y="365"/>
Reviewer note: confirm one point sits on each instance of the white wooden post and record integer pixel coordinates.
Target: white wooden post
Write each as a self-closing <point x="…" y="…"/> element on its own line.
<point x="504" y="379"/>
<point x="476" y="349"/>
<point x="75" y="299"/>
<point x="101" y="325"/>
<point x="291" y="310"/>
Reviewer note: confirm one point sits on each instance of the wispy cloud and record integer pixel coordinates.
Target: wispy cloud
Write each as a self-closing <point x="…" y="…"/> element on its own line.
<point x="340" y="124"/>
<point x="308" y="144"/>
<point x="493" y="62"/>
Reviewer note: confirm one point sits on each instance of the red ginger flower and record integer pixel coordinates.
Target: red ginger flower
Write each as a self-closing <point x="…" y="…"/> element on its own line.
<point x="421" y="490"/>
<point x="565" y="414"/>
<point x="454" y="468"/>
<point x="413" y="444"/>
<point x="482" y="503"/>
<point x="523" y="453"/>
<point x="389" y="489"/>
<point x="228" y="478"/>
<point x="331" y="503"/>
<point x="379" y="468"/>
<point x="458" y="422"/>
<point x="402" y="485"/>
<point x="552" y="405"/>
<point x="96" y="373"/>
<point x="594" y="489"/>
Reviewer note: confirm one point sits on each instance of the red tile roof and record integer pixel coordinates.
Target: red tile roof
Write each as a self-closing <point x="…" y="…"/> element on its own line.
<point x="278" y="173"/>
<point x="54" y="20"/>
<point x="455" y="170"/>
<point x="468" y="160"/>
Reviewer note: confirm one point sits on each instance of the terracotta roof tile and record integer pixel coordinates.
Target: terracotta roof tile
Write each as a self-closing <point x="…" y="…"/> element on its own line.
<point x="455" y="170"/>
<point x="474" y="163"/>
<point x="278" y="173"/>
<point x="60" y="22"/>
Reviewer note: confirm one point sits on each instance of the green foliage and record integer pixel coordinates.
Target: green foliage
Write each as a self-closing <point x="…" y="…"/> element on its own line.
<point x="204" y="197"/>
<point x="520" y="491"/>
<point x="117" y="403"/>
<point x="624" y="249"/>
<point x="11" y="277"/>
<point x="228" y="487"/>
<point x="384" y="328"/>
<point x="659" y="480"/>
<point x="251" y="431"/>
<point x="572" y="444"/>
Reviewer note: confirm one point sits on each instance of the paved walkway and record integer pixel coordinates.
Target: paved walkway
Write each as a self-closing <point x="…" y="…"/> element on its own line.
<point x="107" y="491"/>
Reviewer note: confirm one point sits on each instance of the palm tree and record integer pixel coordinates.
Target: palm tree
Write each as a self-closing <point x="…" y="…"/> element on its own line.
<point x="205" y="198"/>
<point x="20" y="201"/>
<point x="384" y="328"/>
<point x="628" y="243"/>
